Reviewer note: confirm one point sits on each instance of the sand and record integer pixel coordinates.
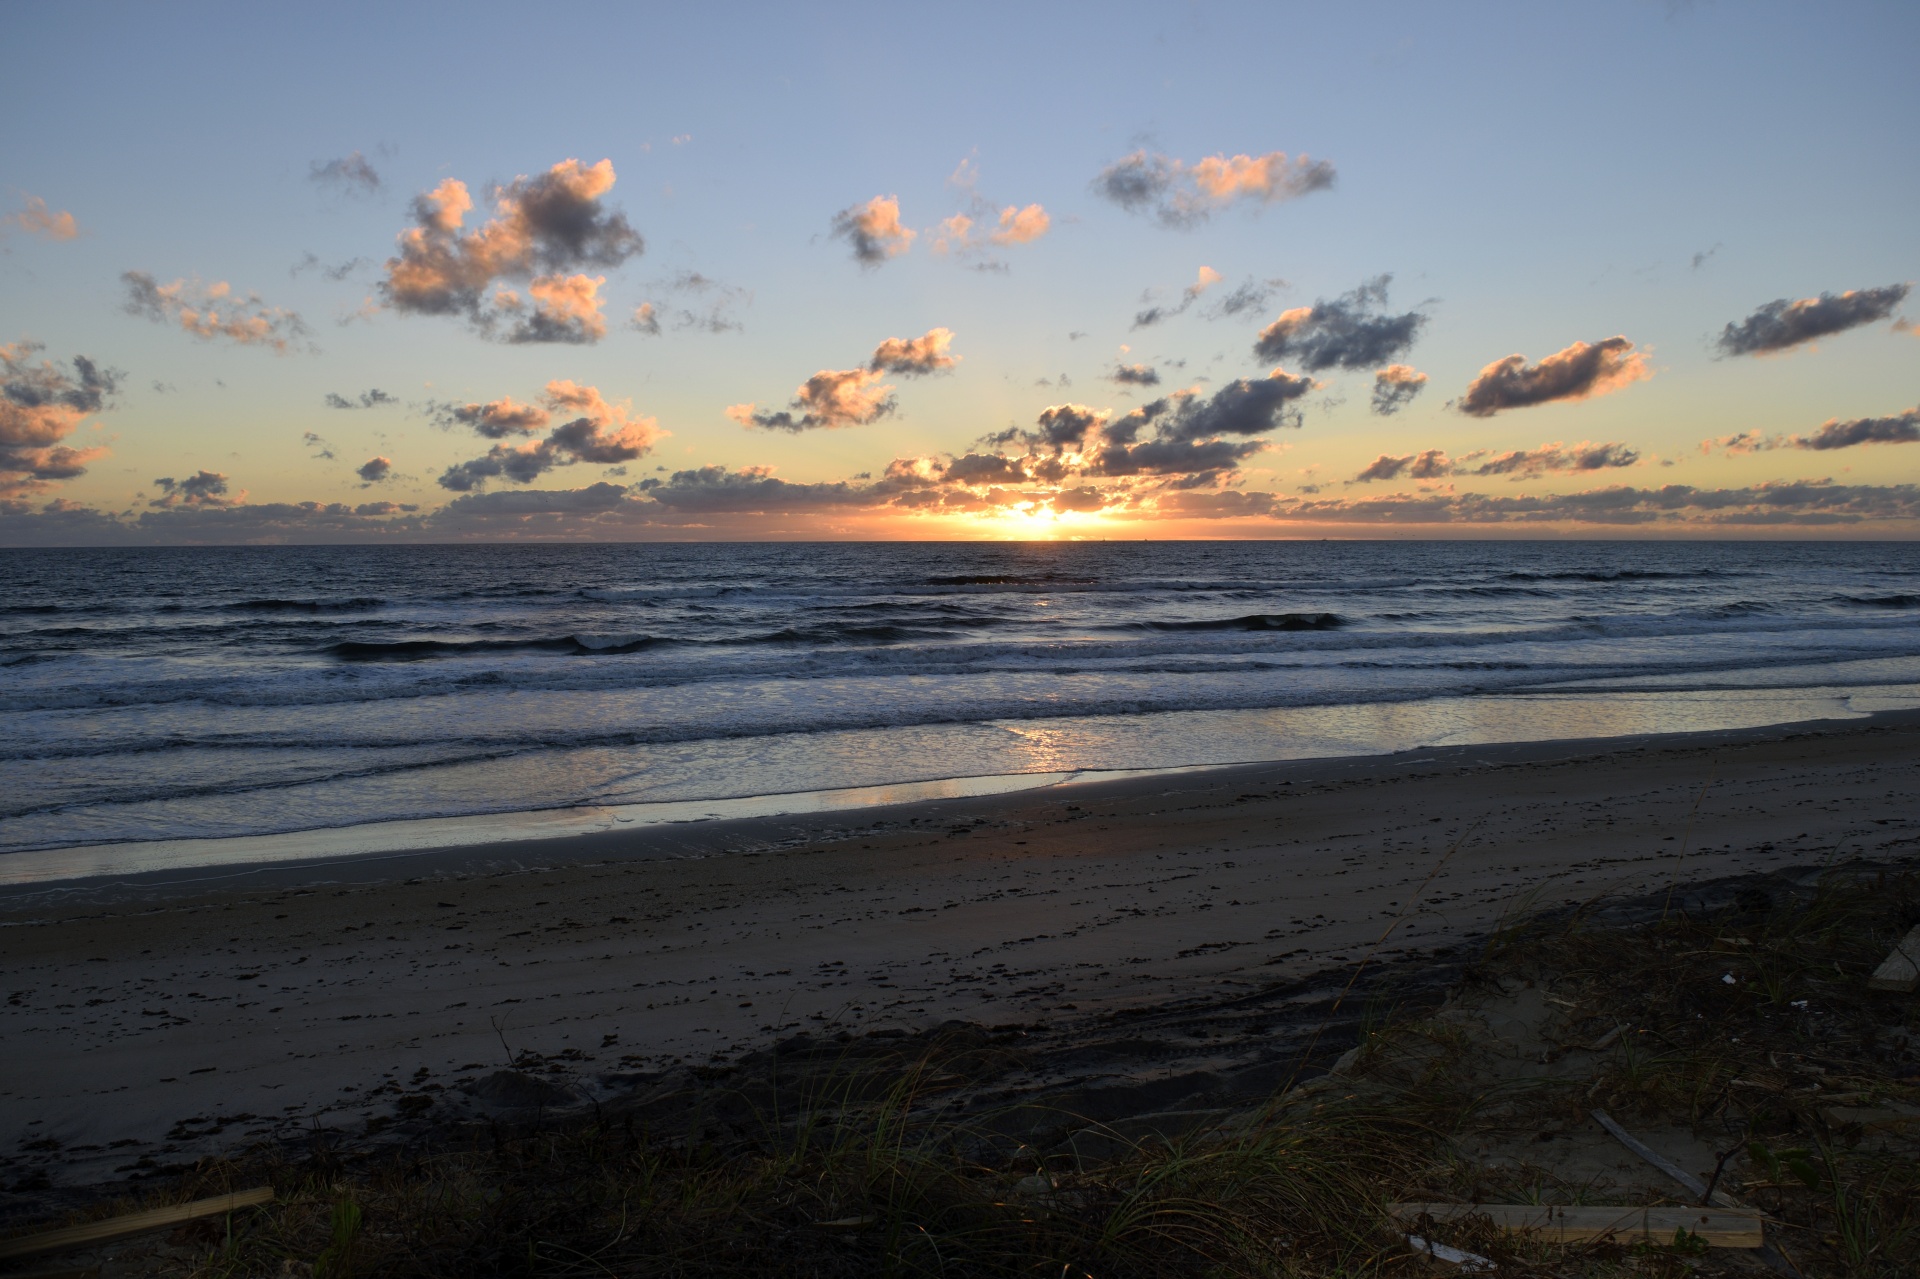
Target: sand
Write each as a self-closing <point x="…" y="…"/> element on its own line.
<point x="153" y="1019"/>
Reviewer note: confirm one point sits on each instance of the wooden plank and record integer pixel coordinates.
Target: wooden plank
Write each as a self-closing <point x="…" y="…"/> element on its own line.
<point x="1900" y="972"/>
<point x="1557" y="1224"/>
<point x="1869" y="1116"/>
<point x="137" y="1223"/>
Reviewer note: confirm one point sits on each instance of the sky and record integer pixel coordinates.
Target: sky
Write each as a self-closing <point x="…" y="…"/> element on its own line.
<point x="438" y="273"/>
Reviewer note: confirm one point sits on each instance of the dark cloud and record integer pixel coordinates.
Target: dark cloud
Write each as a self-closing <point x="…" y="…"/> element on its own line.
<point x="349" y="172"/>
<point x="367" y="400"/>
<point x="715" y="490"/>
<point x="1901" y="428"/>
<point x="374" y="469"/>
<point x="545" y="231"/>
<point x="41" y="404"/>
<point x="1579" y="372"/>
<point x="1249" y="295"/>
<point x="1394" y="388"/>
<point x="873" y="230"/>
<point x="203" y="488"/>
<point x="1245" y="406"/>
<point x="1784" y="323"/>
<point x="1812" y="503"/>
<point x="1704" y="256"/>
<point x="1134" y="375"/>
<point x="1430" y="465"/>
<point x="214" y="310"/>
<point x="496" y="419"/>
<point x="1176" y="442"/>
<point x="1555" y="457"/>
<point x="322" y="449"/>
<point x="597" y="432"/>
<point x="1519" y="464"/>
<point x="312" y="262"/>
<point x="646" y="319"/>
<point x="1345" y="333"/>
<point x="1181" y="195"/>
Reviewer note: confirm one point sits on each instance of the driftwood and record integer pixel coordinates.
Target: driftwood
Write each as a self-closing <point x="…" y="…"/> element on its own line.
<point x="137" y="1223"/>
<point x="1773" y="1257"/>
<point x="1556" y="1224"/>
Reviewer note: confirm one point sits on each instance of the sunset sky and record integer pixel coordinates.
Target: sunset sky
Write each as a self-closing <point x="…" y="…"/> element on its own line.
<point x="365" y="273"/>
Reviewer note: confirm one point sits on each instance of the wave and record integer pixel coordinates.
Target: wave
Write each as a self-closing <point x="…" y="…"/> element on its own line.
<point x="1257" y="622"/>
<point x="356" y="604"/>
<point x="422" y="649"/>
<point x="1882" y="601"/>
<point x="1614" y="575"/>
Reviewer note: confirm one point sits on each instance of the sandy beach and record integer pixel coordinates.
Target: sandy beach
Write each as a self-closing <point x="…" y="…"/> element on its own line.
<point x="152" y="1019"/>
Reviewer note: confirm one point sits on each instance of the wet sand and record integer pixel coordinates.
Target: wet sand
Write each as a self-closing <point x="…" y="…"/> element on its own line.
<point x="153" y="1018"/>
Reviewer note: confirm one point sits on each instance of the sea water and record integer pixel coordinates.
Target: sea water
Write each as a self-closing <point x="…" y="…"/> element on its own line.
<point x="194" y="693"/>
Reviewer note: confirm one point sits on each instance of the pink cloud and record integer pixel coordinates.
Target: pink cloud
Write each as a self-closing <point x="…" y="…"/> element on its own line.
<point x="37" y="219"/>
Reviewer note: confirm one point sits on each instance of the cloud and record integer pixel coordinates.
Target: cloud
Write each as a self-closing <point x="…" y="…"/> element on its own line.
<point x="313" y="440"/>
<point x="1526" y="463"/>
<point x="496" y="419"/>
<point x="204" y="488"/>
<point x="854" y="397"/>
<point x="1394" y="388"/>
<point x="915" y="357"/>
<point x="1206" y="279"/>
<point x="1579" y="372"/>
<point x="1901" y="428"/>
<point x="1518" y="464"/>
<point x="367" y="400"/>
<point x="1782" y="324"/>
<point x="983" y="226"/>
<point x="873" y="230"/>
<point x="1249" y="295"/>
<point x="42" y="404"/>
<point x="543" y="231"/>
<point x="1345" y="333"/>
<point x="714" y="308"/>
<point x="594" y="432"/>
<point x="1020" y="225"/>
<point x="1177" y="194"/>
<point x="349" y="172"/>
<point x="1245" y="406"/>
<point x="1134" y="375"/>
<point x="210" y="311"/>
<point x="1807" y="503"/>
<point x="1704" y="256"/>
<point x="35" y="218"/>
<point x="312" y="262"/>
<point x="830" y="398"/>
<point x="563" y="308"/>
<point x="1432" y="464"/>
<point x="1186" y="446"/>
<point x="374" y="470"/>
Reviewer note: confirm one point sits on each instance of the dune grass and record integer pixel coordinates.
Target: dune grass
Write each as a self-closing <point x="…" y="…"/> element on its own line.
<point x="1748" y="1023"/>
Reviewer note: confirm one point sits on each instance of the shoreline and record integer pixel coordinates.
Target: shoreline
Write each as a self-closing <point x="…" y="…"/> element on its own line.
<point x="694" y="828"/>
<point x="163" y="1017"/>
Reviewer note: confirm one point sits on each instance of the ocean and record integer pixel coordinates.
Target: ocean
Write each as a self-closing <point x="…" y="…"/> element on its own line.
<point x="170" y="694"/>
